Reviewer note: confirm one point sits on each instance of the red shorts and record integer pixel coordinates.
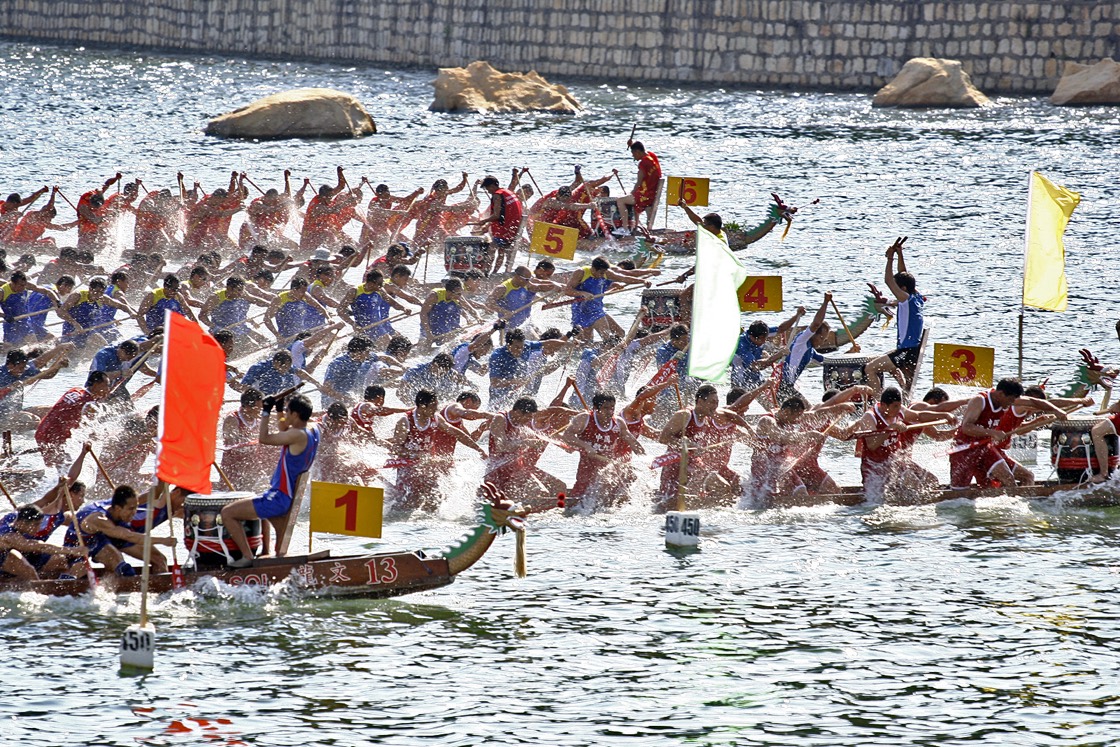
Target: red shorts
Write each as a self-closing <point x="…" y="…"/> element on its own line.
<point x="975" y="463"/>
<point x="810" y="474"/>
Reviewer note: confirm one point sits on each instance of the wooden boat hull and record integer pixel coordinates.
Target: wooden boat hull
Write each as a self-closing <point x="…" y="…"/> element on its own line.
<point x="370" y="576"/>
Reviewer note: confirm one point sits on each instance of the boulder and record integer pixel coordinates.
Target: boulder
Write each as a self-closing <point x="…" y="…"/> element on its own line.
<point x="302" y="112"/>
<point x="1083" y="85"/>
<point x="930" y="82"/>
<point x="480" y="88"/>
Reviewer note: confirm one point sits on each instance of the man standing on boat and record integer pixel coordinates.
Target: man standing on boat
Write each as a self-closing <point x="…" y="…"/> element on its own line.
<point x="911" y="323"/>
<point x="646" y="189"/>
<point x="503" y="222"/>
<point x="299" y="441"/>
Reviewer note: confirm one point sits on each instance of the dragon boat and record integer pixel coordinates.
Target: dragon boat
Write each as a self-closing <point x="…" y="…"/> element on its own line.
<point x="1084" y="495"/>
<point x="373" y="575"/>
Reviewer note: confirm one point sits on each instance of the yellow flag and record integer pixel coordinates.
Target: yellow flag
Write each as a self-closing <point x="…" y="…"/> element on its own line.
<point x="1049" y="208"/>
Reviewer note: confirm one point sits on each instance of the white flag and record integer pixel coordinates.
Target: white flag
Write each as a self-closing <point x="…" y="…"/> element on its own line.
<point x="715" y="309"/>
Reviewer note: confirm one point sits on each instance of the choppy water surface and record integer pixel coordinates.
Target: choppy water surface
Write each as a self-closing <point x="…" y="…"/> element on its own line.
<point x="990" y="623"/>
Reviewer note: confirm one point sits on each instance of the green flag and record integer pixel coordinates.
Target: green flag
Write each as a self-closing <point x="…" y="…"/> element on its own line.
<point x="715" y="309"/>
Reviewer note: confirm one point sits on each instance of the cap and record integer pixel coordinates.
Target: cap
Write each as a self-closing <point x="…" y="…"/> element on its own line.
<point x="321" y="255"/>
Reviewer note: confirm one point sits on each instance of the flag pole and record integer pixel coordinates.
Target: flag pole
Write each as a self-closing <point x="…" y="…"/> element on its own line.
<point x="1026" y="249"/>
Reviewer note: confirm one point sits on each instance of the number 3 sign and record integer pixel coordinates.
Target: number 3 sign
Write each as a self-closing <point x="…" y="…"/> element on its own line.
<point x="965" y="365"/>
<point x="554" y="241"/>
<point x="346" y="509"/>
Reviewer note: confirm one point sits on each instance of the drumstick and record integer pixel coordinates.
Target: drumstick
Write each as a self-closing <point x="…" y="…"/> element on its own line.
<point x="101" y="469"/>
<point x="855" y="345"/>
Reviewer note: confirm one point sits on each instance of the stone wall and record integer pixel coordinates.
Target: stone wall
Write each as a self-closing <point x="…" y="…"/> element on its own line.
<point x="1009" y="47"/>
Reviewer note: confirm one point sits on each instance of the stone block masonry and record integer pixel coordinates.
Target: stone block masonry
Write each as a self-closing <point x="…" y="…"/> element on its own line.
<point x="1007" y="47"/>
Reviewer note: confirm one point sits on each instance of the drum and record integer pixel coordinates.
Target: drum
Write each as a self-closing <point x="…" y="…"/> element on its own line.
<point x="1072" y="453"/>
<point x="608" y="208"/>
<point x="464" y="253"/>
<point x="663" y="307"/>
<point x="206" y="539"/>
<point x="845" y="371"/>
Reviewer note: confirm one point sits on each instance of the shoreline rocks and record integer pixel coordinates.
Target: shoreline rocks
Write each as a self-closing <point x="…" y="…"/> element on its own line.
<point x="1086" y="85"/>
<point x="930" y="82"/>
<point x="481" y="88"/>
<point x="298" y="113"/>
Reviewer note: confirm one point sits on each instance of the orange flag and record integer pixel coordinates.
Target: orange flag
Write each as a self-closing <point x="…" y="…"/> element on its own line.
<point x="194" y="380"/>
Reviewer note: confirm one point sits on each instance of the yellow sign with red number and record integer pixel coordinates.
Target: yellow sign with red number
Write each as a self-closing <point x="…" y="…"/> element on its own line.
<point x="964" y="365"/>
<point x="694" y="189"/>
<point x="762" y="293"/>
<point x="346" y="509"/>
<point x="554" y="241"/>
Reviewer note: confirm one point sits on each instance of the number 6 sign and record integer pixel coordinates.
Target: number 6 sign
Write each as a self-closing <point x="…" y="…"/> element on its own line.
<point x="346" y="509"/>
<point x="554" y="241"/>
<point x="964" y="365"/>
<point x="693" y="188"/>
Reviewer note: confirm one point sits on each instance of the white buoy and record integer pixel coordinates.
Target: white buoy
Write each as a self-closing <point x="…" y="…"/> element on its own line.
<point x="682" y="529"/>
<point x="138" y="647"/>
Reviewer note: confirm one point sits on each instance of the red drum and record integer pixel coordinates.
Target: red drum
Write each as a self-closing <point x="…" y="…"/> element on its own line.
<point x="1072" y="453"/>
<point x="663" y="307"/>
<point x="465" y="253"/>
<point x="206" y="539"/>
<point x="845" y="371"/>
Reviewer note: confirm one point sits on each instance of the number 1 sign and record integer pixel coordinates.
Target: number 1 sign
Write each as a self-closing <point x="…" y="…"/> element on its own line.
<point x="346" y="509"/>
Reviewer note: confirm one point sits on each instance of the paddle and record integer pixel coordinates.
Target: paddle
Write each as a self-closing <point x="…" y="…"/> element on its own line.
<point x="570" y="301"/>
<point x="855" y="345"/>
<point x="101" y="469"/>
<point x="78" y="532"/>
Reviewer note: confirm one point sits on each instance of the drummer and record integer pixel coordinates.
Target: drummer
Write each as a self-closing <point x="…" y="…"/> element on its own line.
<point x="299" y="441"/>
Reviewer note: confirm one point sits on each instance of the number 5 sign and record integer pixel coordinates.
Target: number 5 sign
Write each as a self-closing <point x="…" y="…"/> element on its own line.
<point x="761" y="294"/>
<point x="693" y="189"/>
<point x="553" y="240"/>
<point x="346" y="509"/>
<point x="963" y="364"/>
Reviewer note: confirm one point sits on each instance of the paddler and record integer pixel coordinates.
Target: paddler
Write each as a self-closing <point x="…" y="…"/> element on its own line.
<point x="413" y="447"/>
<point x="228" y="309"/>
<point x="27" y="234"/>
<point x="752" y="356"/>
<point x="1100" y="434"/>
<point x="441" y="313"/>
<point x="64" y="416"/>
<point x="293" y="311"/>
<point x="272" y="375"/>
<point x="691" y="427"/>
<point x="779" y="442"/>
<point x="512" y="300"/>
<point x="299" y="441"/>
<point x="169" y="295"/>
<point x="101" y="523"/>
<point x="510" y="370"/>
<point x="605" y="444"/>
<point x="91" y="213"/>
<point x="589" y="284"/>
<point x="515" y="447"/>
<point x="82" y="313"/>
<point x="318" y="223"/>
<point x="366" y="307"/>
<point x="646" y="189"/>
<point x="885" y="446"/>
<point x="245" y="462"/>
<point x="803" y="350"/>
<point x="975" y="455"/>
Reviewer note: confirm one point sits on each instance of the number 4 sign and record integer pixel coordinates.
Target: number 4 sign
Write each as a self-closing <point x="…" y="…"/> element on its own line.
<point x="761" y="294"/>
<point x="346" y="509"/>
<point x="554" y="241"/>
<point x="965" y="365"/>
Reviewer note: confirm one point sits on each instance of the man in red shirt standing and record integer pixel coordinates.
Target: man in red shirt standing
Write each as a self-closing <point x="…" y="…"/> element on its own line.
<point x="646" y="190"/>
<point x="504" y="221"/>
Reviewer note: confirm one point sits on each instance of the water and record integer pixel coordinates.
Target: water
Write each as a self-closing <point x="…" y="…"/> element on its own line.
<point x="966" y="623"/>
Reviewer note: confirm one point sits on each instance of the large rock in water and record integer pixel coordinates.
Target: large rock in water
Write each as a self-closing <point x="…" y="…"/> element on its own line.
<point x="302" y="112"/>
<point x="930" y="82"/>
<point x="1083" y="85"/>
<point x="480" y="88"/>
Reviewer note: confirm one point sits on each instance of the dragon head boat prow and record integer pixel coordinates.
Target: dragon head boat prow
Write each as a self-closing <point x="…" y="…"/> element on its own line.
<point x="496" y="515"/>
